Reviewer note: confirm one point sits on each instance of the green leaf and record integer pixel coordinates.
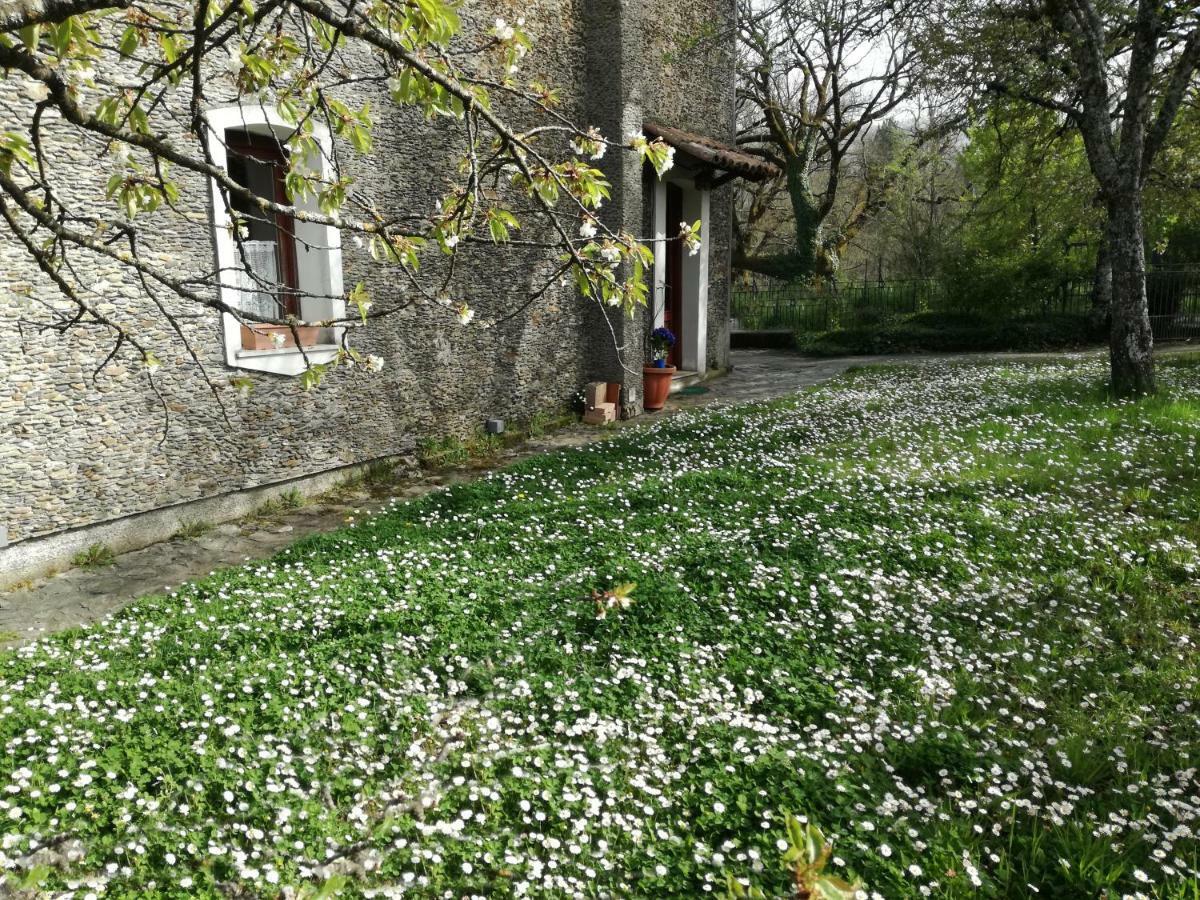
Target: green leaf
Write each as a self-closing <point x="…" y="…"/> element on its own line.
<point x="834" y="888"/>
<point x="138" y="120"/>
<point x="30" y="35"/>
<point x="108" y="110"/>
<point x="332" y="887"/>
<point x="60" y="35"/>
<point x="582" y="281"/>
<point x="360" y="138"/>
<point x="170" y="47"/>
<point x="34" y="877"/>
<point x="129" y="41"/>
<point x="361" y="299"/>
<point x="13" y="147"/>
<point x="311" y="377"/>
<point x="814" y="843"/>
<point x="288" y="111"/>
<point x="795" y="831"/>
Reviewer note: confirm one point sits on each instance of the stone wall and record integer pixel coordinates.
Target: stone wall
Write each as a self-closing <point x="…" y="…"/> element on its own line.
<point x="81" y="446"/>
<point x="689" y="79"/>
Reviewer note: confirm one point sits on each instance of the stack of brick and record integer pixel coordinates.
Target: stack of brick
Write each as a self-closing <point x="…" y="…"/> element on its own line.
<point x="599" y="410"/>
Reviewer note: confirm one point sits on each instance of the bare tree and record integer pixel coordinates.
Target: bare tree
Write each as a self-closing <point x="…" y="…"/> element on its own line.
<point x="816" y="77"/>
<point x="909" y="236"/>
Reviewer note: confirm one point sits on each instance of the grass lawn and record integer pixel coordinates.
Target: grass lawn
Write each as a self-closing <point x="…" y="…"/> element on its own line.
<point x="949" y="613"/>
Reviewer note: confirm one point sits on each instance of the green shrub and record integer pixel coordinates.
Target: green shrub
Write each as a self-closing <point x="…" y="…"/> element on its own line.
<point x="952" y="332"/>
<point x="542" y="422"/>
<point x="482" y="446"/>
<point x="193" y="528"/>
<point x="267" y="508"/>
<point x="443" y="452"/>
<point x="806" y="855"/>
<point x="95" y="556"/>
<point x="291" y="499"/>
<point x="1004" y="285"/>
<point x="452" y="451"/>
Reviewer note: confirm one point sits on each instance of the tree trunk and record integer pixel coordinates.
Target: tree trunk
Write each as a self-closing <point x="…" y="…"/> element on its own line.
<point x="1101" y="287"/>
<point x="806" y="212"/>
<point x="1131" y="343"/>
<point x="809" y="257"/>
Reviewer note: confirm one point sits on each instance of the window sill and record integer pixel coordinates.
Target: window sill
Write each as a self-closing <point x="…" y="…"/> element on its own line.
<point x="284" y="361"/>
<point x="286" y="351"/>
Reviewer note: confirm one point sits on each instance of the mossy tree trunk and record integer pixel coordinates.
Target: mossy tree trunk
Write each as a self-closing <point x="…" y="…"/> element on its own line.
<point x="1131" y="342"/>
<point x="816" y="252"/>
<point x="1101" y="286"/>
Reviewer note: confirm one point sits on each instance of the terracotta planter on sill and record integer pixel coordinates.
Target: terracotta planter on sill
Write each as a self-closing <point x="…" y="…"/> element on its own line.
<point x="262" y="337"/>
<point x="656" y="385"/>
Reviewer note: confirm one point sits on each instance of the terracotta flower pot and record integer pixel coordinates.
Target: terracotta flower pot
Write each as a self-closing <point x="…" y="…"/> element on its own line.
<point x="262" y="337"/>
<point x="656" y="384"/>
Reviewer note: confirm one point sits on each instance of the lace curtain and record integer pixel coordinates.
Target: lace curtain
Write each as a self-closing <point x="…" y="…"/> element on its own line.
<point x="263" y="261"/>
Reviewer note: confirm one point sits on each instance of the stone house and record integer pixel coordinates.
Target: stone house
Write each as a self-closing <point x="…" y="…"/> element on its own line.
<point x="85" y="460"/>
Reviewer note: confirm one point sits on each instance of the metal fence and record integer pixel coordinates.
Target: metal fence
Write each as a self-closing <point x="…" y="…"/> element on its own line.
<point x="804" y="308"/>
<point x="1174" y="300"/>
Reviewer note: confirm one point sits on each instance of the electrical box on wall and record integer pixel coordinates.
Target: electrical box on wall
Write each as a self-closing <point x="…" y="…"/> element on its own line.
<point x="631" y="402"/>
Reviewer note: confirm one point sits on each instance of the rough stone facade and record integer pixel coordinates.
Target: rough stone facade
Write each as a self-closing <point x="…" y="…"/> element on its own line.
<point x="689" y="81"/>
<point x="80" y="447"/>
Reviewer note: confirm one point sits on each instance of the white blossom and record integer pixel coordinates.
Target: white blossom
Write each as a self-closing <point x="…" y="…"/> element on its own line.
<point x="503" y="31"/>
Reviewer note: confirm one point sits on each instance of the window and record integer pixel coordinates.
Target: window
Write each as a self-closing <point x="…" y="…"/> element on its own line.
<point x="281" y="265"/>
<point x="268" y="246"/>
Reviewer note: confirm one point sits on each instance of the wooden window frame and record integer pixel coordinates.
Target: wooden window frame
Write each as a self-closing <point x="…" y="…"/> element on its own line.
<point x="268" y="149"/>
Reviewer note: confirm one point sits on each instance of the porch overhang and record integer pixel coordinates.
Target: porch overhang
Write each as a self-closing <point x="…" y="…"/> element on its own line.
<point x="718" y="162"/>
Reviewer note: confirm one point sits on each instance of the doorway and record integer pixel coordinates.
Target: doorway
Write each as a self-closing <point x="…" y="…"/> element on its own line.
<point x="681" y="272"/>
<point x="673" y="283"/>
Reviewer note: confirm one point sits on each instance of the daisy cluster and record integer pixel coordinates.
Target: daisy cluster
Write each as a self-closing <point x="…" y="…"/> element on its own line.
<point x="948" y="612"/>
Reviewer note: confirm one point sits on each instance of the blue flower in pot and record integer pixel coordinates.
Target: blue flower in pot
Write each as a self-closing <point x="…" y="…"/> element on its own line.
<point x="661" y="342"/>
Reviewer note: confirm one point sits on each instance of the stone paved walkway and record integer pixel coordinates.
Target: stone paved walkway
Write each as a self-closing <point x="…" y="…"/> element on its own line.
<point x="82" y="596"/>
<point x="767" y="374"/>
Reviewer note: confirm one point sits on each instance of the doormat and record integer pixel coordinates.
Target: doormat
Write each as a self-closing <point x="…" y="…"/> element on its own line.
<point x="692" y="390"/>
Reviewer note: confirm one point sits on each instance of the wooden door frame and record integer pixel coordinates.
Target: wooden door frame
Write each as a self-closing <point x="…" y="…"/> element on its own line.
<point x="673" y="276"/>
<point x="690" y="315"/>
